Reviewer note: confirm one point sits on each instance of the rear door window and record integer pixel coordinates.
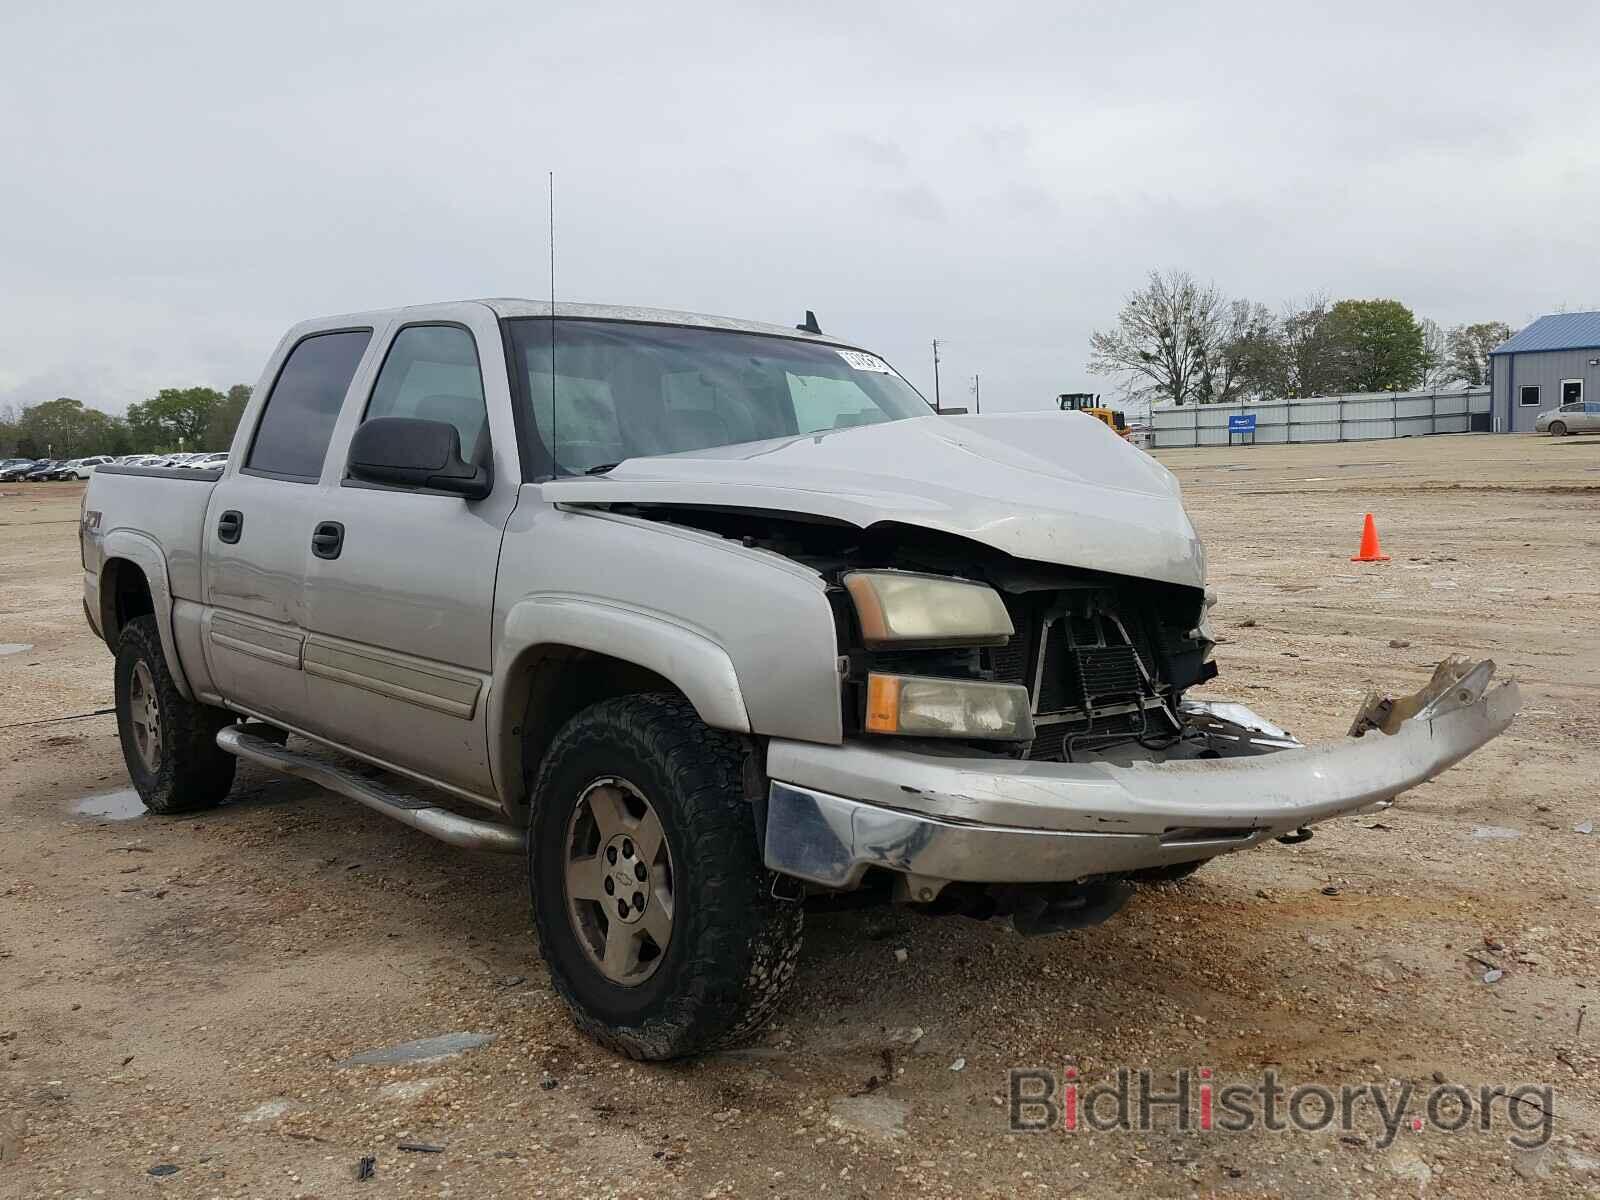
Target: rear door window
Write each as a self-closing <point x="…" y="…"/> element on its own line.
<point x="292" y="437"/>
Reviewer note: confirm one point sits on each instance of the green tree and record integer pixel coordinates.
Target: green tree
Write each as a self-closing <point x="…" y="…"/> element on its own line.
<point x="224" y="419"/>
<point x="1468" y="346"/>
<point x="174" y="417"/>
<point x="1309" y="353"/>
<point x="53" y="424"/>
<point x="1378" y="346"/>
<point x="103" y="434"/>
<point x="65" y="428"/>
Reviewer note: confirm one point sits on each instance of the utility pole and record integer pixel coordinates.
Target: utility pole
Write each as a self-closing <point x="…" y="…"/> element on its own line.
<point x="977" y="403"/>
<point x="935" y="374"/>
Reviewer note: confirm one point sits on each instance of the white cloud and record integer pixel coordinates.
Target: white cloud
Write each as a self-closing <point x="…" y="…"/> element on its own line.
<point x="186" y="180"/>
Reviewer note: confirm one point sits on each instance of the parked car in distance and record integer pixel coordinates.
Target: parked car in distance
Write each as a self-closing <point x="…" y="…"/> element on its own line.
<point x="1581" y="416"/>
<point x="43" y="470"/>
<point x="84" y="467"/>
<point x="12" y="469"/>
<point x="206" y="462"/>
<point x="704" y="617"/>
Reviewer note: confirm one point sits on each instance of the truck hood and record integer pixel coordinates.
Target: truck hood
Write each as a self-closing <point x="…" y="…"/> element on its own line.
<point x="1047" y="487"/>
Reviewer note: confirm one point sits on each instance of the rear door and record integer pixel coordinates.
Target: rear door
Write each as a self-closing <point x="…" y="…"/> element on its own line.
<point x="258" y="528"/>
<point x="400" y="592"/>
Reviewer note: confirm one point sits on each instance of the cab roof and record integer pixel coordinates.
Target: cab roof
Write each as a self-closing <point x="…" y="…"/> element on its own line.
<point x="512" y="307"/>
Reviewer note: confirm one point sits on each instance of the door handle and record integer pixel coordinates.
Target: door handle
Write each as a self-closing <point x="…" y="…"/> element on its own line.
<point x="327" y="539"/>
<point x="230" y="526"/>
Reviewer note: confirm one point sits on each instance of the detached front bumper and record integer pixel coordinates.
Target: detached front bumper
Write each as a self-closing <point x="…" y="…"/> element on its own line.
<point x="834" y="811"/>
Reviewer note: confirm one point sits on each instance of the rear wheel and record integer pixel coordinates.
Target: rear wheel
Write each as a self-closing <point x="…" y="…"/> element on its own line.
<point x="1558" y="429"/>
<point x="654" y="911"/>
<point x="168" y="743"/>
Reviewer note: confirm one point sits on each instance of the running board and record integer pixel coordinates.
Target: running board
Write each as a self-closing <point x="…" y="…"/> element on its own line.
<point x="379" y="795"/>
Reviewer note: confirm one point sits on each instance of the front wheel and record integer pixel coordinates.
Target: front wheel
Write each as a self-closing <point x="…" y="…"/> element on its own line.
<point x="654" y="911"/>
<point x="1558" y="429"/>
<point x="169" y="743"/>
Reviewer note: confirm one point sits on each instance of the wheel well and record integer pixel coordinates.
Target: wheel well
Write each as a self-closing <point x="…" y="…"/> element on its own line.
<point x="124" y="595"/>
<point x="560" y="683"/>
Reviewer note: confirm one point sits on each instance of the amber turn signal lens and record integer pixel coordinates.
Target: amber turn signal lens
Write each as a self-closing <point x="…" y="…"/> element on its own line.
<point x="917" y="706"/>
<point x="883" y="703"/>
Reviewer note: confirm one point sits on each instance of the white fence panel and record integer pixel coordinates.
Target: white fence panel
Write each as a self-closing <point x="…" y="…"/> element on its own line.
<point x="1324" y="418"/>
<point x="1366" y="410"/>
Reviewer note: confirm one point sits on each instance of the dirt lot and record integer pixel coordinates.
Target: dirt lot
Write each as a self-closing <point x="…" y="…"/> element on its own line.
<point x="179" y="993"/>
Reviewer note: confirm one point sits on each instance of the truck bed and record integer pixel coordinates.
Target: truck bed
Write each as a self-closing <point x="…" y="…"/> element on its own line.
<point x="163" y="503"/>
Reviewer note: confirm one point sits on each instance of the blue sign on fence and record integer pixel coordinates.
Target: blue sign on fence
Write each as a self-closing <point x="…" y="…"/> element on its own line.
<point x="1242" y="423"/>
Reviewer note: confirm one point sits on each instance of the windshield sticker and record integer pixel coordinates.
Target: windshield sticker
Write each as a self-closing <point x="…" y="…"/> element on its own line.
<point x="862" y="361"/>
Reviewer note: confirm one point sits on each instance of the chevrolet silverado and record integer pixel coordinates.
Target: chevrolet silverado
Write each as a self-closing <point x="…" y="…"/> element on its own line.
<point x="709" y="619"/>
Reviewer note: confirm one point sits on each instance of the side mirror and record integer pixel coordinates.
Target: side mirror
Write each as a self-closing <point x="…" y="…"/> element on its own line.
<point x="411" y="453"/>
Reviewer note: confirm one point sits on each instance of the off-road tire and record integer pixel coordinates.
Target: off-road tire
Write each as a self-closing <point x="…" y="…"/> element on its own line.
<point x="192" y="773"/>
<point x="733" y="947"/>
<point x="1558" y="429"/>
<point x="1171" y="873"/>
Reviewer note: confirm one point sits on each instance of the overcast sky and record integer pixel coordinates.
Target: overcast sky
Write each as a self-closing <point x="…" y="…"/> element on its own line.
<point x="183" y="181"/>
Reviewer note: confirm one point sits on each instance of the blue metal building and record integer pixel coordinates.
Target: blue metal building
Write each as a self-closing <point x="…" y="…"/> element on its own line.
<point x="1554" y="361"/>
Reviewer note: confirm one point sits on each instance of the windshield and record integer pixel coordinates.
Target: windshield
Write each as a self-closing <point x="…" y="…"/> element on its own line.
<point x="619" y="390"/>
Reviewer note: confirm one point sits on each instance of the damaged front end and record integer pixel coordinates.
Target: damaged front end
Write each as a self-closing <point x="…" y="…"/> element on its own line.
<point x="1020" y="637"/>
<point x="989" y="834"/>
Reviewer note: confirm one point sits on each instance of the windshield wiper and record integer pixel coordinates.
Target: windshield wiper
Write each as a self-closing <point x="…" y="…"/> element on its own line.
<point x="602" y="468"/>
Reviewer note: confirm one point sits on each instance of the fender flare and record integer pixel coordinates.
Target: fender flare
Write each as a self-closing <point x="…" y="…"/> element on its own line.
<point x="144" y="552"/>
<point x="690" y="660"/>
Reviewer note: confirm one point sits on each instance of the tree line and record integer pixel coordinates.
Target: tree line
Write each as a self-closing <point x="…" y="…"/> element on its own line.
<point x="194" y="418"/>
<point x="1182" y="342"/>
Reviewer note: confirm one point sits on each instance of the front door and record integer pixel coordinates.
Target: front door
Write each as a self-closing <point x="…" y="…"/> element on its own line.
<point x="398" y="653"/>
<point x="257" y="534"/>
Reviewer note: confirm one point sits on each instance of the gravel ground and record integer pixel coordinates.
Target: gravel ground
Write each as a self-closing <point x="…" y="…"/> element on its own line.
<point x="177" y="996"/>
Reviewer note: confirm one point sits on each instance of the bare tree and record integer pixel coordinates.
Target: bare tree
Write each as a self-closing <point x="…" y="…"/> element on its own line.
<point x="1310" y="364"/>
<point x="1246" y="364"/>
<point x="1437" y="367"/>
<point x="1469" y="347"/>
<point x="1167" y="340"/>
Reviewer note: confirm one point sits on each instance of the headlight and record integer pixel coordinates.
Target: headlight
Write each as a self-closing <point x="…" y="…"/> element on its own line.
<point x="899" y="608"/>
<point x="922" y="707"/>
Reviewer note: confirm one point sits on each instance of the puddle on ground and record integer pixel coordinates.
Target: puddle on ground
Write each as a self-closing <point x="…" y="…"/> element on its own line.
<point x="112" y="806"/>
<point x="15" y="648"/>
<point x="1498" y="833"/>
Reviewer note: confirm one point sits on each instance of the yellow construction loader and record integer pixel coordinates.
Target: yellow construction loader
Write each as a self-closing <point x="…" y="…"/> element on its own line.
<point x="1089" y="402"/>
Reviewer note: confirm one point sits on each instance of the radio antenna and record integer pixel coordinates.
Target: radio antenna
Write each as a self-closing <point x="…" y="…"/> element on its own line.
<point x="555" y="467"/>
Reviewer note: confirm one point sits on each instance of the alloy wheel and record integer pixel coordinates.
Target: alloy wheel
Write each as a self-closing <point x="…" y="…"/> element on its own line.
<point x="144" y="714"/>
<point x="619" y="881"/>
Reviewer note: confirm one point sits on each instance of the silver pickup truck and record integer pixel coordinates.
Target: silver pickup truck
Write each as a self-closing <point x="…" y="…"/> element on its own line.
<point x="706" y="618"/>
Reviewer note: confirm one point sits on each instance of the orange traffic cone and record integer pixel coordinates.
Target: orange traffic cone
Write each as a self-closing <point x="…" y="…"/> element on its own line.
<point x="1370" y="550"/>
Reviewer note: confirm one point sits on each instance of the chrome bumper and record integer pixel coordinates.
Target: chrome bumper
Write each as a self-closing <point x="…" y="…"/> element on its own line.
<point x="834" y="811"/>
